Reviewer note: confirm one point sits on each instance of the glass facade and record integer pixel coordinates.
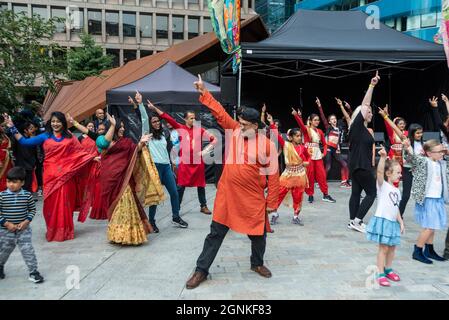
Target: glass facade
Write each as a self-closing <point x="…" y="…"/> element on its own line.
<point x="146" y="25"/>
<point x="59" y="12"/>
<point x="112" y="22"/>
<point x="129" y="24"/>
<point x="40" y="11"/>
<point x="275" y="12"/>
<point x="178" y="27"/>
<point x="116" y="54"/>
<point x="194" y="27"/>
<point x="77" y="21"/>
<point x="419" y="18"/>
<point x="94" y="22"/>
<point x="162" y="26"/>
<point x="129" y="55"/>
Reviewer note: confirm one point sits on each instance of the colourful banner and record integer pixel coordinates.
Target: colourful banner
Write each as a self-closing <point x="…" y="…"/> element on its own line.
<point x="225" y="19"/>
<point x="443" y="34"/>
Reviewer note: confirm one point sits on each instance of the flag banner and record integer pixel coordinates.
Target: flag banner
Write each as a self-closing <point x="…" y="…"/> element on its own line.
<point x="225" y="19"/>
<point x="443" y="35"/>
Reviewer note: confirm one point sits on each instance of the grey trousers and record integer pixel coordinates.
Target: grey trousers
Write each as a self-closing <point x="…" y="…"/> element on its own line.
<point x="8" y="242"/>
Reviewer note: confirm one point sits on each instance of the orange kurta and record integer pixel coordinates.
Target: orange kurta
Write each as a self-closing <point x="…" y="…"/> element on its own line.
<point x="240" y="202"/>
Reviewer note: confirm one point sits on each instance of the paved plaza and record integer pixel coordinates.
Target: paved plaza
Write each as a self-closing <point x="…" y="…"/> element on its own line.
<point x="321" y="260"/>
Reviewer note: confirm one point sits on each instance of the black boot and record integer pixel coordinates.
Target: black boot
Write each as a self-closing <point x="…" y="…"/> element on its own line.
<point x="429" y="252"/>
<point x="2" y="273"/>
<point x="418" y="255"/>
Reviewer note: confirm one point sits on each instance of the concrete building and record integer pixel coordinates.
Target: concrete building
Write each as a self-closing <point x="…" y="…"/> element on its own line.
<point x="418" y="18"/>
<point x="126" y="29"/>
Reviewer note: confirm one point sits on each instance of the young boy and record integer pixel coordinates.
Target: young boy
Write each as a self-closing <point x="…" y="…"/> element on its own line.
<point x="17" y="209"/>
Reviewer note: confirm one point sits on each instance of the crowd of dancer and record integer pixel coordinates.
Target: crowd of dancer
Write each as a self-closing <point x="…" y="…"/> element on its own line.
<point x="104" y="174"/>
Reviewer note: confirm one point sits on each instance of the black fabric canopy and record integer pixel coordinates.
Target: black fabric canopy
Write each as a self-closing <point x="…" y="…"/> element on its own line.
<point x="341" y="35"/>
<point x="168" y="85"/>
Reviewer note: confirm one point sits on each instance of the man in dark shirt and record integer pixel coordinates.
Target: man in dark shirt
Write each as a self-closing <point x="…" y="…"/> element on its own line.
<point x="26" y="157"/>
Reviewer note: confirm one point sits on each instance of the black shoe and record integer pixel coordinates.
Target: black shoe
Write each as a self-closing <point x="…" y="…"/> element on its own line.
<point x="179" y="222"/>
<point x="328" y="198"/>
<point x="429" y="252"/>
<point x="155" y="228"/>
<point x="310" y="199"/>
<point x="418" y="255"/>
<point x="36" y="277"/>
<point x="2" y="273"/>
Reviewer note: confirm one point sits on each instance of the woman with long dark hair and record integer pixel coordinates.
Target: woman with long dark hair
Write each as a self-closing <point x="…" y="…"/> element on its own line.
<point x="315" y="170"/>
<point x="65" y="160"/>
<point x="129" y="181"/>
<point x="159" y="146"/>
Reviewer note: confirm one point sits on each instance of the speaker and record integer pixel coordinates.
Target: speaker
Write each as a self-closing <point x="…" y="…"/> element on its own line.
<point x="228" y="86"/>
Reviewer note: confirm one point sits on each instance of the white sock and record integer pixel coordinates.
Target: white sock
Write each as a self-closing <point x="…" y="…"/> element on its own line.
<point x="357" y="221"/>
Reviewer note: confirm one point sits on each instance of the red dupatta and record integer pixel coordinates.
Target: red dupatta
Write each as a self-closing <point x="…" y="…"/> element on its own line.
<point x="117" y="168"/>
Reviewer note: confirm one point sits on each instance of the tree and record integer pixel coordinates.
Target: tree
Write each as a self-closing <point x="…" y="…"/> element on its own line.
<point x="88" y="60"/>
<point x="23" y="57"/>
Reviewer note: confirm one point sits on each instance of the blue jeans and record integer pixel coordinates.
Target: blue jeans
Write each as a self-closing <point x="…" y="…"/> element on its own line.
<point x="168" y="180"/>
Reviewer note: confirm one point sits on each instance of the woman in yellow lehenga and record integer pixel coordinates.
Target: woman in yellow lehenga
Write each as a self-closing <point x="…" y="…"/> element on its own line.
<point x="129" y="181"/>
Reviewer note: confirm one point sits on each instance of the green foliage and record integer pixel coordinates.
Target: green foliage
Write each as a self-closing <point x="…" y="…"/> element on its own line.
<point x="23" y="57"/>
<point x="88" y="60"/>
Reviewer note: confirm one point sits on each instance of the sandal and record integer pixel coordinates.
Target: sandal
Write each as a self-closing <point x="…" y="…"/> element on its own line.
<point x="393" y="276"/>
<point x="383" y="281"/>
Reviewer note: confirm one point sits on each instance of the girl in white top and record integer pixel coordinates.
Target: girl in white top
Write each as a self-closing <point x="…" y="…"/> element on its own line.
<point x="386" y="226"/>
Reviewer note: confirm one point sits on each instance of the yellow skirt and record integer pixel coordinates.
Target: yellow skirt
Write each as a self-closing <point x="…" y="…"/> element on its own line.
<point x="126" y="226"/>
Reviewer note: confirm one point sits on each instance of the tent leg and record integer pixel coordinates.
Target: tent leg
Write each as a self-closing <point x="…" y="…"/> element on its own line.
<point x="239" y="87"/>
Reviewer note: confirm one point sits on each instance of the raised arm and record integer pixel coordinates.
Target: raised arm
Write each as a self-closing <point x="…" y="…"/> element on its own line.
<point x="436" y="115"/>
<point x="11" y="127"/>
<point x="381" y="167"/>
<point x="297" y="115"/>
<point x="343" y="110"/>
<point x="262" y="114"/>
<point x="223" y="118"/>
<point x="321" y="112"/>
<point x="273" y="127"/>
<point x="369" y="93"/>
<point x="110" y="134"/>
<point x="446" y="101"/>
<point x="144" y="119"/>
<point x="168" y="118"/>
<point x="390" y="126"/>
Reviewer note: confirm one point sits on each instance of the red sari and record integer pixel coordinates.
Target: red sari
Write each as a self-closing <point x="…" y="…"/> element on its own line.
<point x="5" y="160"/>
<point x="97" y="212"/>
<point x="65" y="160"/>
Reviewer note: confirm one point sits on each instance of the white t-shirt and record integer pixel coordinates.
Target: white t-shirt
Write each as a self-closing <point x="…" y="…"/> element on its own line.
<point x="435" y="188"/>
<point x="417" y="148"/>
<point x="388" y="199"/>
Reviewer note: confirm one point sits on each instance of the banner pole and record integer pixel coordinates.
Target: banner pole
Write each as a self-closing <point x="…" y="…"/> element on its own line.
<point x="239" y="88"/>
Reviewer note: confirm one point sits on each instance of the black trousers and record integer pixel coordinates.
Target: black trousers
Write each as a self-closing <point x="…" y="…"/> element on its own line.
<point x="201" y="195"/>
<point x="28" y="180"/>
<point x="362" y="180"/>
<point x="213" y="241"/>
<point x="407" y="179"/>
<point x="446" y="249"/>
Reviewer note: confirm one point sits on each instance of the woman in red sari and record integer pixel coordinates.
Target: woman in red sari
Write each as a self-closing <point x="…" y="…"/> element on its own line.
<point x="129" y="181"/>
<point x="65" y="159"/>
<point x="5" y="159"/>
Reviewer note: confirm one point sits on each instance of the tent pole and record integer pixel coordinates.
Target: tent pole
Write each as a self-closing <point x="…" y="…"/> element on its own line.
<point x="239" y="89"/>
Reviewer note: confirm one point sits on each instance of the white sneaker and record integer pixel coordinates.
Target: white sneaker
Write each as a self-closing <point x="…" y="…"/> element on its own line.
<point x="349" y="224"/>
<point x="358" y="227"/>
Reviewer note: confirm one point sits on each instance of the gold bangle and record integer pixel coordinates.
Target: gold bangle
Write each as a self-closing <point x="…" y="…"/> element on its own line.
<point x="75" y="123"/>
<point x="385" y="117"/>
<point x="372" y="85"/>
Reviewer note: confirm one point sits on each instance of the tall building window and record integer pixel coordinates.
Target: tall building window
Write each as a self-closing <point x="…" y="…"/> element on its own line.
<point x="193" y="1"/>
<point x="77" y="20"/>
<point x="112" y="23"/>
<point x="161" y="27"/>
<point x="146" y="25"/>
<point x="178" y="1"/>
<point x="94" y="21"/>
<point x="413" y="22"/>
<point x="429" y="20"/>
<point x="145" y="53"/>
<point x="207" y="25"/>
<point x="59" y="12"/>
<point x="129" y="24"/>
<point x="129" y="55"/>
<point x="194" y="23"/>
<point x="40" y="11"/>
<point x="116" y="54"/>
<point x="3" y="6"/>
<point x="19" y="8"/>
<point x="178" y="27"/>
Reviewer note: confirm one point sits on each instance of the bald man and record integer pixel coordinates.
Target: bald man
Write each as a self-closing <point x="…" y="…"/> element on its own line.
<point x="100" y="119"/>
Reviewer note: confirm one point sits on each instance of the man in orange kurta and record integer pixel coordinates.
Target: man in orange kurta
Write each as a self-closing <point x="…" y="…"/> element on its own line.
<point x="240" y="202"/>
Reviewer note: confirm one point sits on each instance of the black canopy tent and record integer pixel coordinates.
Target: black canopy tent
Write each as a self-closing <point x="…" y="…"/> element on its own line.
<point x="170" y="88"/>
<point x="337" y="44"/>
